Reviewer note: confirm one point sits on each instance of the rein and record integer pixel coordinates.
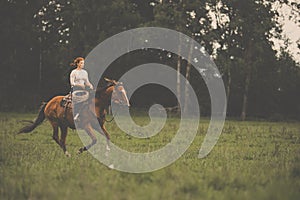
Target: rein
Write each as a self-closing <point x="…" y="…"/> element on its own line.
<point x="108" y="121"/>
<point x="104" y="118"/>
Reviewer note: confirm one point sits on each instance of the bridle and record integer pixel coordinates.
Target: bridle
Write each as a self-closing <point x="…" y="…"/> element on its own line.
<point x="120" y="101"/>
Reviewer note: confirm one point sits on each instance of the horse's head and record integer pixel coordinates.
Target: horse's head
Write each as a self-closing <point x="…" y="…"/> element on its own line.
<point x="119" y="95"/>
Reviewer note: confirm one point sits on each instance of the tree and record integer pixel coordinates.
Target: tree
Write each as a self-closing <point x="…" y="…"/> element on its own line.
<point x="244" y="38"/>
<point x="18" y="38"/>
<point x="184" y="16"/>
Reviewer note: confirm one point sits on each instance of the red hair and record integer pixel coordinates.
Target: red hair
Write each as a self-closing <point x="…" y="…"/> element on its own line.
<point x="76" y="61"/>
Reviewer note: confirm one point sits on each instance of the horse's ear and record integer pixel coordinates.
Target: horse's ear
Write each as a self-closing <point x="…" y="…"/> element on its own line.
<point x="112" y="82"/>
<point x="108" y="80"/>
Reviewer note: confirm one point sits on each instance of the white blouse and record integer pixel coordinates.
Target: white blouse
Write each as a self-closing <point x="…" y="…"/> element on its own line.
<point x="79" y="77"/>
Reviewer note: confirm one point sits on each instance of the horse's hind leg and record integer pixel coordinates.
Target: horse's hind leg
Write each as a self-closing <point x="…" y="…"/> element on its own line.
<point x="64" y="132"/>
<point x="55" y="132"/>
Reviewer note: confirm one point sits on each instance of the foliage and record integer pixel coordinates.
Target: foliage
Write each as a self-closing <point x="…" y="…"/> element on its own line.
<point x="252" y="160"/>
<point x="41" y="38"/>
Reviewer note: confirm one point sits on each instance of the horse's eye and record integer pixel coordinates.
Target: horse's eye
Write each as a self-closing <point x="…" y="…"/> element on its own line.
<point x="119" y="89"/>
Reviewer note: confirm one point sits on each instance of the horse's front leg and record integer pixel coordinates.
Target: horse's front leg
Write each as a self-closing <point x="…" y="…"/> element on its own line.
<point x="103" y="131"/>
<point x="90" y="132"/>
<point x="106" y="135"/>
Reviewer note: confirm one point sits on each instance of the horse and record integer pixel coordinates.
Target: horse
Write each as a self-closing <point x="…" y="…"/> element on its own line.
<point x="90" y="116"/>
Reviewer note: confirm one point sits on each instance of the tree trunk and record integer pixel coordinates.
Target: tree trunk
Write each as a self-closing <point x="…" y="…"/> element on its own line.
<point x="187" y="78"/>
<point x="228" y="84"/>
<point x="245" y="95"/>
<point x="178" y="73"/>
<point x="248" y="63"/>
<point x="40" y="64"/>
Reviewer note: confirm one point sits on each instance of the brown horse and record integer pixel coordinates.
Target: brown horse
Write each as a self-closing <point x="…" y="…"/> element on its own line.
<point x="61" y="117"/>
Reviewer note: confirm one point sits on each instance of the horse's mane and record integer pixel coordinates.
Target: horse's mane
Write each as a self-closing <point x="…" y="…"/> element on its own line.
<point x="100" y="90"/>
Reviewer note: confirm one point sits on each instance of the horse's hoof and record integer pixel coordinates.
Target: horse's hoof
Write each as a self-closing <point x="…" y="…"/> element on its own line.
<point x="111" y="166"/>
<point x="80" y="151"/>
<point x="67" y="154"/>
<point x="107" y="148"/>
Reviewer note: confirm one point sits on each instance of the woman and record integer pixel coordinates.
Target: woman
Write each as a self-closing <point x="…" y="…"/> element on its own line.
<point x="79" y="77"/>
<point x="79" y="80"/>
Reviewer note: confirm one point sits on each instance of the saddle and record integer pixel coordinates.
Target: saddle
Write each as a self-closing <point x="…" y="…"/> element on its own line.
<point x="66" y="102"/>
<point x="75" y="97"/>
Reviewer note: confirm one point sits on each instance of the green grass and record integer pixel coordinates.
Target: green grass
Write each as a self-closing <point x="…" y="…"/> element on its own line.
<point x="252" y="160"/>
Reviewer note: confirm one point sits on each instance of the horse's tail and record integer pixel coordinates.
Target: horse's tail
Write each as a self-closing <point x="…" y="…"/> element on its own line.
<point x="40" y="118"/>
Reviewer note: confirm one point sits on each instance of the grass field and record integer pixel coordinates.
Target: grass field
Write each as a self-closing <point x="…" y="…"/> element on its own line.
<point x="252" y="160"/>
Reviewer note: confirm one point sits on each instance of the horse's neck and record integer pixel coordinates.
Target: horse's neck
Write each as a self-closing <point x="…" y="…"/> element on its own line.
<point x="105" y="96"/>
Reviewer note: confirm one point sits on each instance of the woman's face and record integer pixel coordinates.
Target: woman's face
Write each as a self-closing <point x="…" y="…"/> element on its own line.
<point x="81" y="64"/>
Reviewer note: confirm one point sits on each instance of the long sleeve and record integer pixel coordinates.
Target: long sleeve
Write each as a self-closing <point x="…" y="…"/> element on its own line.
<point x="72" y="79"/>
<point x="87" y="82"/>
<point x="80" y="78"/>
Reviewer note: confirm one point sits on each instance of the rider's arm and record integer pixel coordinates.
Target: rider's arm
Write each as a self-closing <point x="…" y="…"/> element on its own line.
<point x="87" y="82"/>
<point x="72" y="79"/>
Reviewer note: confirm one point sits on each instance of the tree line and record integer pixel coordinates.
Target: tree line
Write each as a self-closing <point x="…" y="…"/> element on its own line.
<point x="40" y="38"/>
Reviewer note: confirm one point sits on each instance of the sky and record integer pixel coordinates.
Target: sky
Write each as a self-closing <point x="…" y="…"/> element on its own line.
<point x="292" y="31"/>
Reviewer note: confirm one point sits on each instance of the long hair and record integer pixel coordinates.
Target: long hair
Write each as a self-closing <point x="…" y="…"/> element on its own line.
<point x="76" y="61"/>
